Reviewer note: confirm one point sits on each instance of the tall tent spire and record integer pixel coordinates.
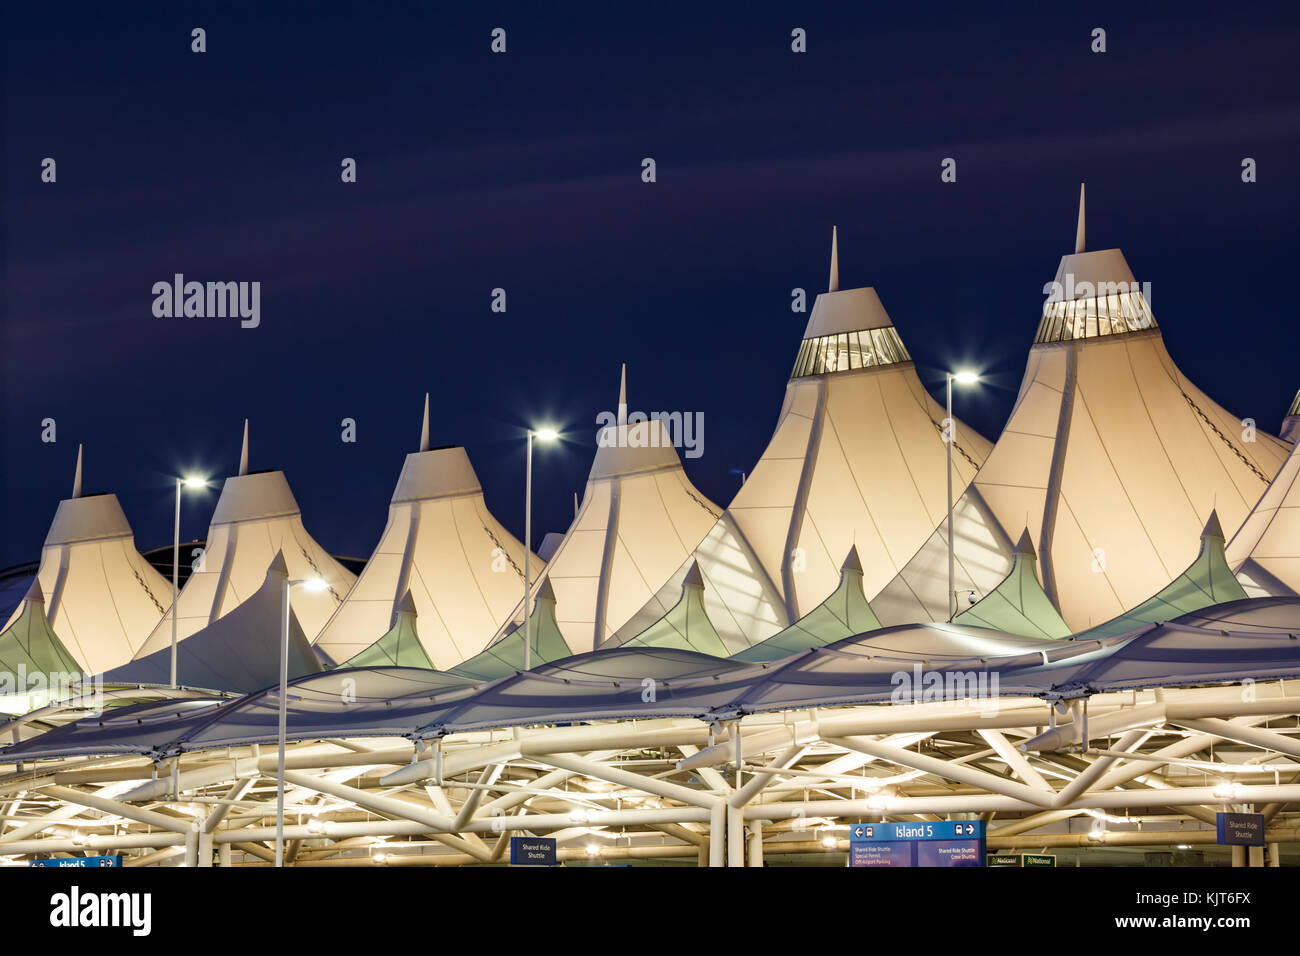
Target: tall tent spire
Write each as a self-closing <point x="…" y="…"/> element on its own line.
<point x="575" y="504"/>
<point x="243" y="451"/>
<point x="76" y="478"/>
<point x="424" y="429"/>
<point x="622" y="396"/>
<point x="835" y="260"/>
<point x="1078" y="234"/>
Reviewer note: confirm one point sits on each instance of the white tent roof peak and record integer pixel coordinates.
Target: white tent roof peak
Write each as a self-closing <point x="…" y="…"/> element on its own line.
<point x="407" y="604"/>
<point x="76" y="478"/>
<point x="851" y="560"/>
<point x="850" y="310"/>
<point x="263" y="494"/>
<point x="101" y="597"/>
<point x="1080" y="275"/>
<point x="1079" y="230"/>
<point x="622" y="396"/>
<point x="623" y="450"/>
<point x="87" y="518"/>
<point x="834" y="284"/>
<point x="694" y="578"/>
<point x="424" y="429"/>
<point x="1212" y="527"/>
<point x="544" y="592"/>
<point x="243" y="451"/>
<point x="442" y="553"/>
<point x="436" y="473"/>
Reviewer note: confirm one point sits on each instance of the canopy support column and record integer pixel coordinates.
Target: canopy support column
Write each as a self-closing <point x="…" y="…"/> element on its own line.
<point x="756" y="843"/>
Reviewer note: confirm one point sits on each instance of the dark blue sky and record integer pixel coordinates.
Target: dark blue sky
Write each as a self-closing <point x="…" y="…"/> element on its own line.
<point x="522" y="171"/>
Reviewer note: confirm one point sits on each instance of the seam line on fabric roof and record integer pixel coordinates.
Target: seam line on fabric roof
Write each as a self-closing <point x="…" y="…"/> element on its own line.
<point x="1226" y="440"/>
<point x="696" y="499"/>
<point x="333" y="593"/>
<point x="509" y="559"/>
<point x="960" y="450"/>
<point x="136" y="572"/>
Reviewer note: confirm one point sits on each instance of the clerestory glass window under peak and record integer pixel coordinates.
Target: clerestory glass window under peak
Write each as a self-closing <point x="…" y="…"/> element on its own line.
<point x="848" y="351"/>
<point x="1116" y="313"/>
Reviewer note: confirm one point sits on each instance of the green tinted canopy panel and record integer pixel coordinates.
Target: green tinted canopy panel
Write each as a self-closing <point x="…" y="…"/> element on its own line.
<point x="686" y="626"/>
<point x="844" y="613"/>
<point x="30" y="645"/>
<point x="400" y="647"/>
<point x="1018" y="605"/>
<point x="1207" y="581"/>
<point x="506" y="656"/>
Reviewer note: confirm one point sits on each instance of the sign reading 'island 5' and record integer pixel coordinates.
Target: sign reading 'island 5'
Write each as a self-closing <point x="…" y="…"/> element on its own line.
<point x="532" y="851"/>
<point x="78" y="861"/>
<point x="940" y="843"/>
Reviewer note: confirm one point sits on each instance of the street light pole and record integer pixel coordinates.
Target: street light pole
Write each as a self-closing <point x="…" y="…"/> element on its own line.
<point x="542" y="435"/>
<point x="314" y="584"/>
<point x="950" y="436"/>
<point x="528" y="549"/>
<point x="176" y="561"/>
<point x="284" y="696"/>
<point x="176" y="567"/>
<point x="948" y="423"/>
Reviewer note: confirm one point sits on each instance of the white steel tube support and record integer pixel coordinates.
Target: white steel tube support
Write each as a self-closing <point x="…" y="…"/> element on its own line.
<point x="735" y="836"/>
<point x="756" y="843"/>
<point x="205" y="847"/>
<point x="717" y="834"/>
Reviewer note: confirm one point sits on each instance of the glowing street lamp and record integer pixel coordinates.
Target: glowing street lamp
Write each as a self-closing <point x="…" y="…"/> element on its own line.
<point x="546" y="435"/>
<point x="309" y="584"/>
<point x="961" y="377"/>
<point x="192" y="482"/>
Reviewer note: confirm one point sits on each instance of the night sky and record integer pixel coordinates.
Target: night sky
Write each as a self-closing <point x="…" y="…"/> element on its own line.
<point x="523" y="171"/>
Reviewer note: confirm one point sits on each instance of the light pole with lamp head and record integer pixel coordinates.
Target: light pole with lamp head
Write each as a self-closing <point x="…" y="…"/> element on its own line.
<point x="964" y="377"/>
<point x="190" y="482"/>
<point x="543" y="435"/>
<point x="311" y="584"/>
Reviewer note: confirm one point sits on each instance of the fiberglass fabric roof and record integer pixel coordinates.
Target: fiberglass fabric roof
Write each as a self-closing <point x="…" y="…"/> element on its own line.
<point x="1258" y="638"/>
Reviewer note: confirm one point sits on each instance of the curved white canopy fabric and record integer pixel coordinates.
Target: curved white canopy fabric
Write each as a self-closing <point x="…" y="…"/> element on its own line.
<point x="101" y="597"/>
<point x="1224" y="644"/>
<point x="639" y="520"/>
<point x="857" y="461"/>
<point x="463" y="569"/>
<point x="1111" y="458"/>
<point x="256" y="518"/>
<point x="238" y="653"/>
<point x="1265" y="551"/>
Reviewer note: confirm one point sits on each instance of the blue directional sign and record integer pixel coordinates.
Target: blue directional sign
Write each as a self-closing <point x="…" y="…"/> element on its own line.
<point x="79" y="861"/>
<point x="941" y="843"/>
<point x="1240" y="829"/>
<point x="532" y="851"/>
